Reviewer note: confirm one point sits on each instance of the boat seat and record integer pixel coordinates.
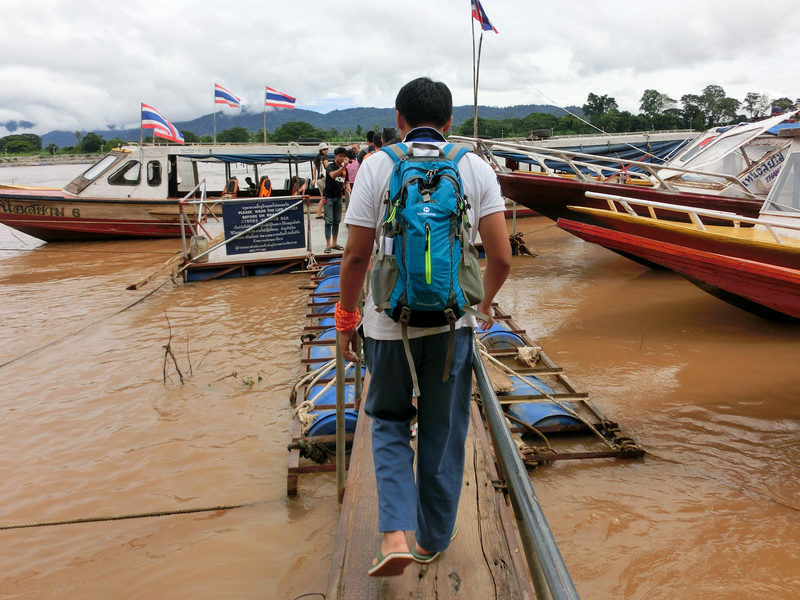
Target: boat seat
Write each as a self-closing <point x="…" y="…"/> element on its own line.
<point x="231" y="188"/>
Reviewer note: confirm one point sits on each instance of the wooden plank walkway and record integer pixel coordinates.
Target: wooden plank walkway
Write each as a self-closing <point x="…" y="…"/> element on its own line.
<point x="483" y="561"/>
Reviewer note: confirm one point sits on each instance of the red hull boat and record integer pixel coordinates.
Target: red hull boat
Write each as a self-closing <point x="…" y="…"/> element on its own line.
<point x="133" y="192"/>
<point x="764" y="289"/>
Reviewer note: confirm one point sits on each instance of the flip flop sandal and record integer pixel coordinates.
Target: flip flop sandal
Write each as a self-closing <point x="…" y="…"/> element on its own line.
<point x="425" y="559"/>
<point x="327" y="251"/>
<point x="391" y="565"/>
<point x="337" y="247"/>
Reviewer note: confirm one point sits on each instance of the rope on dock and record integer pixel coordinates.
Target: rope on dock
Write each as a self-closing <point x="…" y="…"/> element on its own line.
<point x="165" y="513"/>
<point x="563" y="405"/>
<point x="303" y="410"/>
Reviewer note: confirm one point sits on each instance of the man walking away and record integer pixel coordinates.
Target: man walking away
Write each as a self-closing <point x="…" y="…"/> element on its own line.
<point x="426" y="505"/>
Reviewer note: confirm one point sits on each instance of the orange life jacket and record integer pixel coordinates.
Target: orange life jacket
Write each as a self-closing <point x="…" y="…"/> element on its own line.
<point x="265" y="187"/>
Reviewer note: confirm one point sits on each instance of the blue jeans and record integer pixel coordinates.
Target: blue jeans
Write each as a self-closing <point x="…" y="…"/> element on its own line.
<point x="332" y="209"/>
<point x="428" y="505"/>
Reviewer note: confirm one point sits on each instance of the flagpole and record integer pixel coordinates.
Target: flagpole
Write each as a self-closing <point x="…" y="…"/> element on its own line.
<point x="477" y="82"/>
<point x="474" y="80"/>
<point x="141" y="127"/>
<point x="215" y="115"/>
<point x="265" y="115"/>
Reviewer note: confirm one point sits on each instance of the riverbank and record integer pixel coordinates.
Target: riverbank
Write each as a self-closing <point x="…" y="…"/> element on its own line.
<point x="40" y="160"/>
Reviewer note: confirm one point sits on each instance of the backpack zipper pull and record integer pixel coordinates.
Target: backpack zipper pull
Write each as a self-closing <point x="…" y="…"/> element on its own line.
<point x="428" y="253"/>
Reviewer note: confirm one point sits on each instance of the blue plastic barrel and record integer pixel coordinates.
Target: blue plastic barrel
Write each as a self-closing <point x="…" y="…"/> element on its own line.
<point x="329" y="396"/>
<point x="324" y="351"/>
<point x="325" y="424"/>
<point x="542" y="414"/>
<point x="327" y="285"/>
<point x="348" y="372"/>
<point x="521" y="388"/>
<point x="328" y="271"/>
<point x="497" y="340"/>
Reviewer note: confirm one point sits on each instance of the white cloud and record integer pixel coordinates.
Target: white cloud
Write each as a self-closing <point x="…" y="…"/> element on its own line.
<point x="87" y="64"/>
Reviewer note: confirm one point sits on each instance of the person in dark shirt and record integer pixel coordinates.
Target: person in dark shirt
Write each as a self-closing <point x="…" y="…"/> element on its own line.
<point x="335" y="184"/>
<point x="368" y="149"/>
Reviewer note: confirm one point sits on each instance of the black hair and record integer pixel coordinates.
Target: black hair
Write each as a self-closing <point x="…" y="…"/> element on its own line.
<point x="351" y="154"/>
<point x="340" y="150"/>
<point x="425" y="102"/>
<point x="376" y="142"/>
<point x="389" y="135"/>
<point x="370" y="135"/>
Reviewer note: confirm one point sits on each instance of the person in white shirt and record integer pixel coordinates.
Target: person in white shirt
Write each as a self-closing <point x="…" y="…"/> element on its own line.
<point x="428" y="504"/>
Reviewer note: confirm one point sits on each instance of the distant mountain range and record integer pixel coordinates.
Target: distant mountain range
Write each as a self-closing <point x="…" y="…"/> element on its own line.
<point x="342" y="120"/>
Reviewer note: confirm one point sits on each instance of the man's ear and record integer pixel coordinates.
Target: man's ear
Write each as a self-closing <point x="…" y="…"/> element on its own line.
<point x="401" y="122"/>
<point x="447" y="125"/>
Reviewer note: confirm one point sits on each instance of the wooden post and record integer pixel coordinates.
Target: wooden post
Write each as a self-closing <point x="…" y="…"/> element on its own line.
<point x="340" y="423"/>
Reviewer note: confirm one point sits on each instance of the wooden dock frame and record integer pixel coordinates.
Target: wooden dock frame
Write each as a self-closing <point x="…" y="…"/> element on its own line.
<point x="570" y="395"/>
<point x="483" y="561"/>
<point x="295" y="469"/>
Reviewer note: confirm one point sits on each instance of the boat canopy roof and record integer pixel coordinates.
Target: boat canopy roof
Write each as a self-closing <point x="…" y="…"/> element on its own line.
<point x="251" y="159"/>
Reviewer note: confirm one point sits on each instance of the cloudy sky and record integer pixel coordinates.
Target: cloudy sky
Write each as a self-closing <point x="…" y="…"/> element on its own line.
<point x="87" y="64"/>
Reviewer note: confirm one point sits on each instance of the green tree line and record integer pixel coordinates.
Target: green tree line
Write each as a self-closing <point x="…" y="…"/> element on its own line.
<point x="710" y="108"/>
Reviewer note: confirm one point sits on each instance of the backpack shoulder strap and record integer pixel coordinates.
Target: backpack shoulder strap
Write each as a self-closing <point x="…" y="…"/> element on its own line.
<point x="454" y="152"/>
<point x="397" y="151"/>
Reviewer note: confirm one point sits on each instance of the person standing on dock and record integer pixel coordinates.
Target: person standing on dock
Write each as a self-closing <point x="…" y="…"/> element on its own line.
<point x="427" y="505"/>
<point x="333" y="196"/>
<point x="318" y="167"/>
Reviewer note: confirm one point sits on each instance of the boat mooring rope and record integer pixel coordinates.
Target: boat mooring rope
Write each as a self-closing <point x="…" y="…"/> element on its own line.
<point x="303" y="410"/>
<point x="89" y="326"/>
<point x="164" y="513"/>
<point x="563" y="405"/>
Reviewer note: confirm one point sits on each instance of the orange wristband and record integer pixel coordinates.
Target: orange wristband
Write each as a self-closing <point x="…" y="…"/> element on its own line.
<point x="345" y="321"/>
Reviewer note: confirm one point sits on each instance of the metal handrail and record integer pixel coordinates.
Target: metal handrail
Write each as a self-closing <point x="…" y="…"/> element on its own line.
<point x="541" y="550"/>
<point x="541" y="154"/>
<point x="694" y="213"/>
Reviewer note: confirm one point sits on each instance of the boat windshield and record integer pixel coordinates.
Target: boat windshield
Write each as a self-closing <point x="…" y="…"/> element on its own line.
<point x="99" y="167"/>
<point x="716" y="151"/>
<point x="785" y="194"/>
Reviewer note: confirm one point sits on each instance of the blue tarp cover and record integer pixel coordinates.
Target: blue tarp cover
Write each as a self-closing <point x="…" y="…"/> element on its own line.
<point x="777" y="128"/>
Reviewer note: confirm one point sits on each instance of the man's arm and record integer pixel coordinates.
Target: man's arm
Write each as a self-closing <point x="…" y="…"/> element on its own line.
<point x="355" y="260"/>
<point x="498" y="260"/>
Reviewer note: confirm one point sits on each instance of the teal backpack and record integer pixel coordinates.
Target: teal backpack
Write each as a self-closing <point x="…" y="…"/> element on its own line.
<point x="426" y="271"/>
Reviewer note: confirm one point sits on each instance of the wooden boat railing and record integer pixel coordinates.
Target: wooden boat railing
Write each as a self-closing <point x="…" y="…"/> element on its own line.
<point x="651" y="172"/>
<point x="693" y="213"/>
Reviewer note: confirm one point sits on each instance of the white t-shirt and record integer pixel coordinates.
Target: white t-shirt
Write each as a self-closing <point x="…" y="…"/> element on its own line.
<point x="366" y="209"/>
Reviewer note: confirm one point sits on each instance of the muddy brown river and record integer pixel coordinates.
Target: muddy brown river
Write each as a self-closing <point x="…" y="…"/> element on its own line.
<point x="90" y="428"/>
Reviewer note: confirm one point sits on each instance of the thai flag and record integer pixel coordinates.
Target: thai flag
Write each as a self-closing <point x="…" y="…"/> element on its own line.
<point x="480" y="16"/>
<point x="223" y="96"/>
<point x="279" y="99"/>
<point x="151" y="119"/>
